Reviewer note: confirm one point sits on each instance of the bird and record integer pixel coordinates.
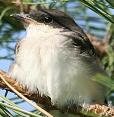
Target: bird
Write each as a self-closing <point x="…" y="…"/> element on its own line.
<point x="57" y="58"/>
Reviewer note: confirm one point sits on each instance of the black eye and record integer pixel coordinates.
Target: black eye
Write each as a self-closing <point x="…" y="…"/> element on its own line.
<point x="47" y="19"/>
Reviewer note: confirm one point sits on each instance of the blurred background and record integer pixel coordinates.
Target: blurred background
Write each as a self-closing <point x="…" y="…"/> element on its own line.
<point x="96" y="17"/>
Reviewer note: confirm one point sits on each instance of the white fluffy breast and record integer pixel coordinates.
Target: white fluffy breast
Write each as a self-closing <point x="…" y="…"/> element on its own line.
<point x="35" y="57"/>
<point x="44" y="63"/>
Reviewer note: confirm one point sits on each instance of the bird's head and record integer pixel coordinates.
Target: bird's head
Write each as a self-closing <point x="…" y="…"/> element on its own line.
<point x="48" y="17"/>
<point x="45" y="16"/>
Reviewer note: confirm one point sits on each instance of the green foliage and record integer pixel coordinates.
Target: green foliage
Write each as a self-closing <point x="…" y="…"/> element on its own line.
<point x="105" y="80"/>
<point x="100" y="7"/>
<point x="111" y="3"/>
<point x="108" y="61"/>
<point x="7" y="104"/>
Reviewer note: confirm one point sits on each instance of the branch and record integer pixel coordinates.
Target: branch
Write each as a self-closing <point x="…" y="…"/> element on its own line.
<point x="24" y="98"/>
<point x="98" y="110"/>
<point x="32" y="96"/>
<point x="100" y="45"/>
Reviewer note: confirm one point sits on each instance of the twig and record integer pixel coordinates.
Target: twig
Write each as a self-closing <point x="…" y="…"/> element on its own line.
<point x="100" y="45"/>
<point x="26" y="99"/>
<point x="34" y="3"/>
<point x="3" y="12"/>
<point x="99" y="110"/>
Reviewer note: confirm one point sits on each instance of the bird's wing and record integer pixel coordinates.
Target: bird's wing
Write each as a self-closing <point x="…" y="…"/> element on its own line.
<point x="80" y="40"/>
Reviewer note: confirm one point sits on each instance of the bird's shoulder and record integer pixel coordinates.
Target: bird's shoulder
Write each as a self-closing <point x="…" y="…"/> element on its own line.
<point x="81" y="41"/>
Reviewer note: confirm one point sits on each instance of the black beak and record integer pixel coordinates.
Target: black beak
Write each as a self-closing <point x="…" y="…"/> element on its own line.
<point x="25" y="18"/>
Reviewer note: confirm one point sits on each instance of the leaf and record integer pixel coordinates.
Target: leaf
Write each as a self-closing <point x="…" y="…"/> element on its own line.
<point x="9" y="104"/>
<point x="4" y="112"/>
<point x="104" y="80"/>
<point x="111" y="2"/>
<point x="98" y="8"/>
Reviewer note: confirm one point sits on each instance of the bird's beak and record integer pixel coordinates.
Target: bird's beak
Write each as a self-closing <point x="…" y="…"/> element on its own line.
<point x="25" y="18"/>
